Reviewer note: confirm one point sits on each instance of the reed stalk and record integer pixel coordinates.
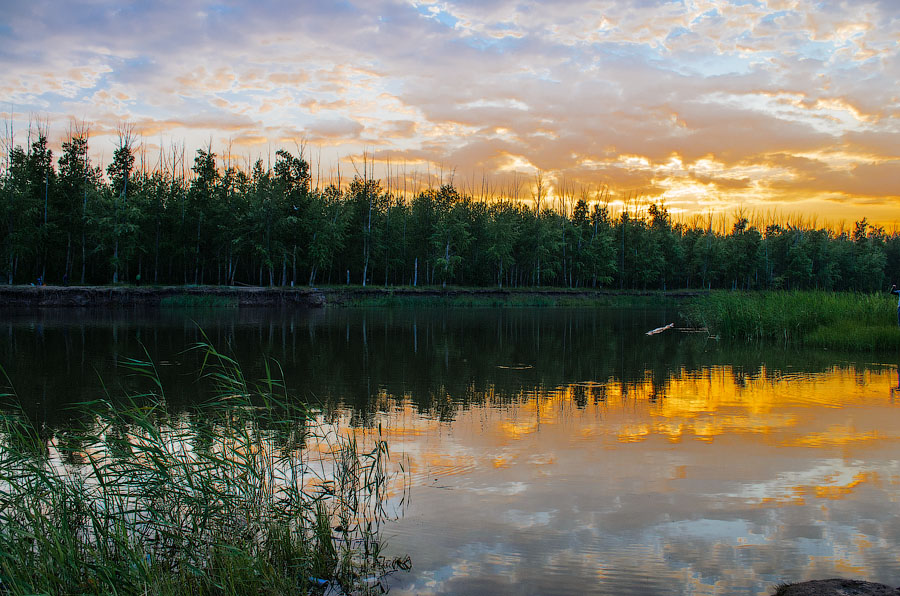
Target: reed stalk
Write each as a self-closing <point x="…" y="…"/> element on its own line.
<point x="249" y="493"/>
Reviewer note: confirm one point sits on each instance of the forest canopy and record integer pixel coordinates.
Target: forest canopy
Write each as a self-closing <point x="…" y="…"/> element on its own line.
<point x="68" y="220"/>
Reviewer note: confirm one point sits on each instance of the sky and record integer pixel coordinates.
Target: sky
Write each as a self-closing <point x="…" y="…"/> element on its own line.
<point x="781" y="108"/>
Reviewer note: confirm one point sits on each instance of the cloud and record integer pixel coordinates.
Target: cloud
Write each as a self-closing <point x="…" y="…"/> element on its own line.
<point x="569" y="87"/>
<point x="873" y="180"/>
<point x="336" y="128"/>
<point x="398" y="129"/>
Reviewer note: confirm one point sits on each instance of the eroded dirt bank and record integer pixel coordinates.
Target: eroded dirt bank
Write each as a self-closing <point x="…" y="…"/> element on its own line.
<point x="104" y="296"/>
<point x="25" y="296"/>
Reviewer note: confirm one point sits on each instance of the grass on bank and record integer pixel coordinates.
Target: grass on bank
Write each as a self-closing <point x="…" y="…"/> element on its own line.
<point x="840" y="321"/>
<point x="247" y="494"/>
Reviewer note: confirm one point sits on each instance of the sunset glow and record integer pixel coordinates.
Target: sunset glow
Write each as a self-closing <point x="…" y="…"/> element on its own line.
<point x="708" y="105"/>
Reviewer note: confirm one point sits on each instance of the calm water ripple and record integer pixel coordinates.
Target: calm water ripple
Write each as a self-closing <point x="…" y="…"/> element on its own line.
<point x="553" y="451"/>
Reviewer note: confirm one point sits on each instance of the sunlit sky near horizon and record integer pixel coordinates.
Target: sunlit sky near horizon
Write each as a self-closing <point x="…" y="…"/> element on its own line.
<point x="778" y="106"/>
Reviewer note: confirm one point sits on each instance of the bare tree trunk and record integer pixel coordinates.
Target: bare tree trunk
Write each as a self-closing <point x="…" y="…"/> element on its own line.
<point x="46" y="205"/>
<point x="68" y="253"/>
<point x="565" y="278"/>
<point x="12" y="258"/>
<point x="156" y="254"/>
<point x="368" y="240"/>
<point x="197" y="250"/>
<point x="447" y="261"/>
<point x="387" y="236"/>
<point x="83" y="257"/>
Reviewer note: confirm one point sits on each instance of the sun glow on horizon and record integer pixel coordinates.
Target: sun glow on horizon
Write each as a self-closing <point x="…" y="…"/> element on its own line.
<point x="785" y="105"/>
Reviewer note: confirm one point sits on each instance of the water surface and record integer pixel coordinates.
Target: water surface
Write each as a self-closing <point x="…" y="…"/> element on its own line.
<point x="552" y="450"/>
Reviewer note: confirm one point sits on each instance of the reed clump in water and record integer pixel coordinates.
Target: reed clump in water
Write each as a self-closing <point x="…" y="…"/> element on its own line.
<point x="833" y="320"/>
<point x="248" y="494"/>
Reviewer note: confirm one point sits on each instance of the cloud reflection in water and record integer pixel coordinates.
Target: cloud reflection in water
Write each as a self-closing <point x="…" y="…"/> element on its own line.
<point x="710" y="484"/>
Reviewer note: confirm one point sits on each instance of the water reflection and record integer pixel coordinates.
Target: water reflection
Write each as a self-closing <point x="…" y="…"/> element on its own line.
<point x="722" y="487"/>
<point x="442" y="360"/>
<point x="555" y="451"/>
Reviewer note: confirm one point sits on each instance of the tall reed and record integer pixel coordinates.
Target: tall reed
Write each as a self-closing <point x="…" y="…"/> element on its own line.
<point x="834" y="320"/>
<point x="249" y="493"/>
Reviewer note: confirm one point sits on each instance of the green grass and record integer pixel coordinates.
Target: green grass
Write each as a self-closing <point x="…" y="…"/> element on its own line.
<point x="248" y="494"/>
<point x="198" y="301"/>
<point x="843" y="321"/>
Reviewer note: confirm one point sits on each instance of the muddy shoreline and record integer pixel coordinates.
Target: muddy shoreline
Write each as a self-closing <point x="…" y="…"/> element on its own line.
<point x="218" y="296"/>
<point x="128" y="296"/>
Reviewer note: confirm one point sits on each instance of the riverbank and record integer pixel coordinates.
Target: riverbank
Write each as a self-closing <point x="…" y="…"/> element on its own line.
<point x="160" y="296"/>
<point x="239" y="296"/>
<point x="468" y="297"/>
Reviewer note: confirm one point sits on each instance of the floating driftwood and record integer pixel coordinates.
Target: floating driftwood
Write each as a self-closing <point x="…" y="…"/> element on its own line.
<point x="660" y="329"/>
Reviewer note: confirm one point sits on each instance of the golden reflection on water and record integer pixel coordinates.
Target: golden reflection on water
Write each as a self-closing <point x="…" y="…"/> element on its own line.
<point x="837" y="409"/>
<point x="692" y="471"/>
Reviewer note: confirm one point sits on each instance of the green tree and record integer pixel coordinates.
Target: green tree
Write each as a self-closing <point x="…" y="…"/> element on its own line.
<point x="292" y="180"/>
<point x="742" y="255"/>
<point x="502" y="232"/>
<point x="21" y="213"/>
<point x="40" y="184"/>
<point x="201" y="199"/>
<point x="451" y="235"/>
<point x="79" y="182"/>
<point x="870" y="256"/>
<point x="329" y="221"/>
<point x="119" y="172"/>
<point x="601" y="251"/>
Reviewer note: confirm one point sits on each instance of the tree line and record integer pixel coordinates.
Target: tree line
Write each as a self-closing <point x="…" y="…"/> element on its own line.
<point x="63" y="220"/>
